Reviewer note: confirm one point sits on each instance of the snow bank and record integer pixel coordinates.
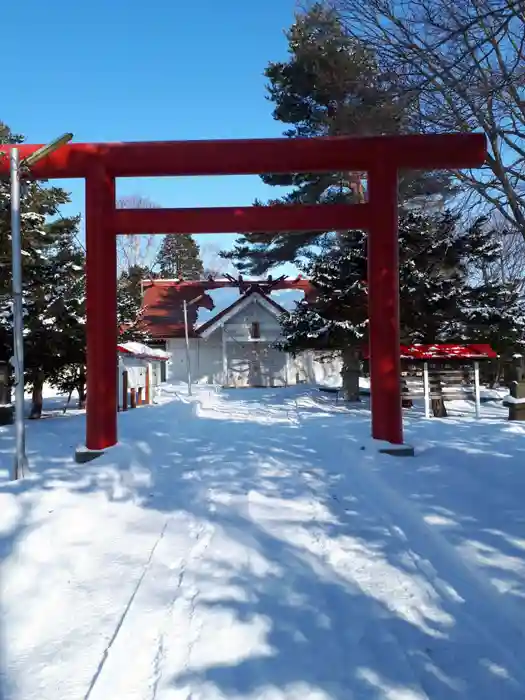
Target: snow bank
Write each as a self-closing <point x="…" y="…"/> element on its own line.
<point x="247" y="544"/>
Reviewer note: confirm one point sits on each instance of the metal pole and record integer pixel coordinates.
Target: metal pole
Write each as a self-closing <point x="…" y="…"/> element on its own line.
<point x="188" y="363"/>
<point x="477" y="395"/>
<point x="18" y="316"/>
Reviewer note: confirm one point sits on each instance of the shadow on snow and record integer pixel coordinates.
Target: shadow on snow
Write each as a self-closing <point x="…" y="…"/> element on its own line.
<point x="237" y="472"/>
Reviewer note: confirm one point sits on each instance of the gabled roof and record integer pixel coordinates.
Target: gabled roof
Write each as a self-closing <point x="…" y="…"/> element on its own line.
<point x="162" y="307"/>
<point x="224" y="315"/>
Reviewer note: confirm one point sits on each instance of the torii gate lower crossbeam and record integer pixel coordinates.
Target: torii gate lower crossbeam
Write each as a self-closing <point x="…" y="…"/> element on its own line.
<point x="381" y="157"/>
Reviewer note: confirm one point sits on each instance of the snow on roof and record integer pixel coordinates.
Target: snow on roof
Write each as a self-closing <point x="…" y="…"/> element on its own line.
<point x="422" y="352"/>
<point x="444" y="352"/>
<point x="142" y="351"/>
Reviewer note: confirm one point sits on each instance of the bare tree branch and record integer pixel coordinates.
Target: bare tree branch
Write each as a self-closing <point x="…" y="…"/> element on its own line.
<point x="461" y="67"/>
<point x="137" y="250"/>
<point x="214" y="265"/>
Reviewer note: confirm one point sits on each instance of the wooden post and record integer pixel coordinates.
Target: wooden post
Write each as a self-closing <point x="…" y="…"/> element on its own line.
<point x="139" y="397"/>
<point x="426" y="388"/>
<point x="125" y="390"/>
<point x="147" y="398"/>
<point x="133" y="398"/>
<point x="477" y="395"/>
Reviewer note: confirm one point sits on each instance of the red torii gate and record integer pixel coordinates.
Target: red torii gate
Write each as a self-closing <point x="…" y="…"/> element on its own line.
<point x="381" y="157"/>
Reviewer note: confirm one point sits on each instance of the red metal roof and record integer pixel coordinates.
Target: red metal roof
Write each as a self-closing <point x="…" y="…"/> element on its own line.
<point x="163" y="314"/>
<point x="444" y="352"/>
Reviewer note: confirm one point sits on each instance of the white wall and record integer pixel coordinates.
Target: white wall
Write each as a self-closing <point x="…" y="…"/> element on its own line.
<point x="155" y="373"/>
<point x="205" y="360"/>
<point x="240" y="325"/>
<point x="276" y="368"/>
<point x="207" y="365"/>
<point x="136" y="369"/>
<point x="308" y="368"/>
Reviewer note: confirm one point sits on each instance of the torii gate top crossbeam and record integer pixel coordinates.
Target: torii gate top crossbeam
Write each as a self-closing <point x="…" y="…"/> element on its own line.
<point x="257" y="156"/>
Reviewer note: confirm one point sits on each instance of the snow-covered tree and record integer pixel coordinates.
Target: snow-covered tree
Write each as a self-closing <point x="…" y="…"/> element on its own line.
<point x="337" y="318"/>
<point x="70" y="375"/>
<point x="52" y="265"/>
<point x="130" y="310"/>
<point x="330" y="85"/>
<point x="442" y="299"/>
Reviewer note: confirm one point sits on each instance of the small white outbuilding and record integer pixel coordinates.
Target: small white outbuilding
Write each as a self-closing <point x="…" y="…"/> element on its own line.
<point x="139" y="373"/>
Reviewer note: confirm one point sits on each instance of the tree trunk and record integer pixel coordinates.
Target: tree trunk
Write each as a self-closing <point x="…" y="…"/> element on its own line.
<point x="350" y="375"/>
<point x="498" y="374"/>
<point x="37" y="399"/>
<point x="439" y="409"/>
<point x="81" y="389"/>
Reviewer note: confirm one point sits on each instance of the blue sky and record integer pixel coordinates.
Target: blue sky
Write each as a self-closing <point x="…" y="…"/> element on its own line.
<point x="124" y="70"/>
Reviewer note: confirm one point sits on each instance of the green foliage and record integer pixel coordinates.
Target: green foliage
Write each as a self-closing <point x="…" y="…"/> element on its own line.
<point x="338" y="317"/>
<point x="53" y="279"/>
<point x="179" y="257"/>
<point x="442" y="298"/>
<point x="129" y="307"/>
<point x="330" y="85"/>
<point x="53" y="272"/>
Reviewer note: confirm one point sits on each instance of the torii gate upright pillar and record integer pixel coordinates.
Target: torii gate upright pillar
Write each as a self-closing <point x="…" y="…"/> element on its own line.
<point x="383" y="304"/>
<point x="380" y="156"/>
<point x="101" y="310"/>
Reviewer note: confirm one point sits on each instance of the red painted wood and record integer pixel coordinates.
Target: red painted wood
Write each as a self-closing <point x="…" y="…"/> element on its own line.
<point x="383" y="305"/>
<point x="318" y="217"/>
<point x="246" y="157"/>
<point x="101" y="303"/>
<point x="447" y="351"/>
<point x="381" y="156"/>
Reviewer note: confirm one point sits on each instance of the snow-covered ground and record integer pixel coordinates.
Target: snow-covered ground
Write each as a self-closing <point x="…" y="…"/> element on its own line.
<point x="253" y="544"/>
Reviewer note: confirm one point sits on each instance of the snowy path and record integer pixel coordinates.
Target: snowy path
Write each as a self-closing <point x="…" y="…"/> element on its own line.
<point x="242" y="546"/>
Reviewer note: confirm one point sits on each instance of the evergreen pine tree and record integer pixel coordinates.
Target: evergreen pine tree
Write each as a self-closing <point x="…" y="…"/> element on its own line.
<point x="134" y="277"/>
<point x="494" y="310"/>
<point x="70" y="375"/>
<point x="336" y="318"/>
<point x="442" y="300"/>
<point x="179" y="257"/>
<point x="331" y="85"/>
<point x="50" y="263"/>
<point x="129" y="310"/>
